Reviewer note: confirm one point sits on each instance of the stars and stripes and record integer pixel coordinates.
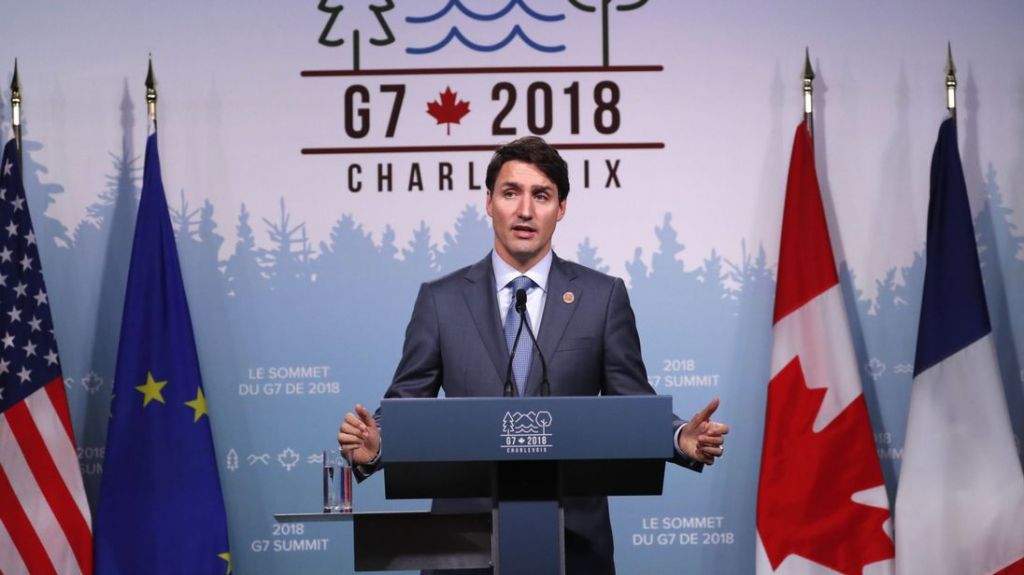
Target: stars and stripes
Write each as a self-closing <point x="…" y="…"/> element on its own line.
<point x="45" y="525"/>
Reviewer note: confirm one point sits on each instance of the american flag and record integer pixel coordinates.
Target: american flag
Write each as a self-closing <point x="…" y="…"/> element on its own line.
<point x="45" y="526"/>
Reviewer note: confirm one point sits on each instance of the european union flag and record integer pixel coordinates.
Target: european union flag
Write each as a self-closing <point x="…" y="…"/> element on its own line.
<point x="161" y="508"/>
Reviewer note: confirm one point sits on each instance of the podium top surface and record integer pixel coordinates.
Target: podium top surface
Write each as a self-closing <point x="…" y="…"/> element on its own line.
<point x="528" y="428"/>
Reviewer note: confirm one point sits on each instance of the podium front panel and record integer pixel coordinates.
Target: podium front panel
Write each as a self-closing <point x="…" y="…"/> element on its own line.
<point x="530" y="428"/>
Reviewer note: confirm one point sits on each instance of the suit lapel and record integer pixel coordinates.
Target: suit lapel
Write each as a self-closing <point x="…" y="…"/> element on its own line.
<point x="557" y="314"/>
<point x="481" y="298"/>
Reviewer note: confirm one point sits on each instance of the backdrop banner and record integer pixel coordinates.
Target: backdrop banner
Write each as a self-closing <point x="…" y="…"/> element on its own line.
<point x="323" y="159"/>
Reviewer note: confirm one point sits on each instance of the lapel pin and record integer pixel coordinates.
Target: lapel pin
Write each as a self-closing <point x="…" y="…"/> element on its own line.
<point x="568" y="297"/>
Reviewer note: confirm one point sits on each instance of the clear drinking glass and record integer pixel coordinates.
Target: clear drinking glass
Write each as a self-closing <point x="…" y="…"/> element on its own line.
<point x="337" y="482"/>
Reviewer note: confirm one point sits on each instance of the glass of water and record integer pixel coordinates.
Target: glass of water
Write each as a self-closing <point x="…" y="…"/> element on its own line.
<point x="337" y="482"/>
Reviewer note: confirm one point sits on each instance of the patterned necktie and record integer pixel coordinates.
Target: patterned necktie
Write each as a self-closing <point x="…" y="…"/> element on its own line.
<point x="524" y="351"/>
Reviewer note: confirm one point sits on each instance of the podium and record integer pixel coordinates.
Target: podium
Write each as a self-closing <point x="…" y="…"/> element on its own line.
<point x="520" y="456"/>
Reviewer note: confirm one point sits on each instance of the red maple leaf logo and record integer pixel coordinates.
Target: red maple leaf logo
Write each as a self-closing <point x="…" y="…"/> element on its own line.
<point x="447" y="111"/>
<point x="807" y="478"/>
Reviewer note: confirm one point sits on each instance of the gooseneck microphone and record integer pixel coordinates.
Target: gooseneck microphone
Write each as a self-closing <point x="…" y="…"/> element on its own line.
<point x="545" y="387"/>
<point x="520" y="309"/>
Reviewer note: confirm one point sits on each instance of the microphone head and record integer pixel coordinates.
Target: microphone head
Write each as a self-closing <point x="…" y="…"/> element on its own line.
<point x="520" y="300"/>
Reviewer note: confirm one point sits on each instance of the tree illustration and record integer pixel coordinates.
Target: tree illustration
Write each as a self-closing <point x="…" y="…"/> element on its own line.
<point x="710" y="291"/>
<point x="242" y="271"/>
<point x="208" y="235"/>
<point x="388" y="250"/>
<point x="47" y="228"/>
<point x="910" y="291"/>
<point x="350" y="251"/>
<point x="998" y="238"/>
<point x="586" y="254"/>
<point x="288" y="261"/>
<point x="351" y="268"/>
<point x="664" y="261"/>
<point x="331" y="39"/>
<point x="887" y="299"/>
<point x="198" y="246"/>
<point x="209" y="277"/>
<point x="100" y="213"/>
<point x="753" y="275"/>
<point x="471" y="239"/>
<point x="754" y="295"/>
<point x="853" y="296"/>
<point x="185" y="221"/>
<point x="637" y="269"/>
<point x="543" y="419"/>
<point x="421" y="256"/>
<point x="605" y="7"/>
<point x="890" y="325"/>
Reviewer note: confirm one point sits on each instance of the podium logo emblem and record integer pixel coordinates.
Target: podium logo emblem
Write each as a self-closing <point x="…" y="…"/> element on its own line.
<point x="526" y="432"/>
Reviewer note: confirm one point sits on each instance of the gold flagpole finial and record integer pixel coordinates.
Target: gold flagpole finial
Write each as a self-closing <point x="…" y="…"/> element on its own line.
<point x="808" y="91"/>
<point x="950" y="81"/>
<point x="151" y="94"/>
<point x="15" y="97"/>
<point x="16" y="105"/>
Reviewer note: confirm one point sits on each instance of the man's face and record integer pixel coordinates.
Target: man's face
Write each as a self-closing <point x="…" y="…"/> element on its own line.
<point x="524" y="209"/>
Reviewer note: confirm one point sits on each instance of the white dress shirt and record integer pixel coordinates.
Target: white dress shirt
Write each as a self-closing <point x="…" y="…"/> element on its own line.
<point x="535" y="296"/>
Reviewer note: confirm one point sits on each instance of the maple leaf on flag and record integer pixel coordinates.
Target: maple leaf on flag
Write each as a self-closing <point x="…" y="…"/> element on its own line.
<point x="447" y="111"/>
<point x="806" y="506"/>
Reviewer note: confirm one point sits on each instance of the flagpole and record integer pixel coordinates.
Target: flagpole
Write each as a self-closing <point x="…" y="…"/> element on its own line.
<point x="950" y="81"/>
<point x="16" y="109"/>
<point x="808" y="92"/>
<point x="151" y="96"/>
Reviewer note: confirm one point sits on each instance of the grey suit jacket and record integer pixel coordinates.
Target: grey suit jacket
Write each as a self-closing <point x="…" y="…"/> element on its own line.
<point x="455" y="342"/>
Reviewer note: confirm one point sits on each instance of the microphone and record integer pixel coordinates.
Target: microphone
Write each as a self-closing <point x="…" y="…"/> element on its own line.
<point x="545" y="387"/>
<point x="520" y="302"/>
<point x="520" y="309"/>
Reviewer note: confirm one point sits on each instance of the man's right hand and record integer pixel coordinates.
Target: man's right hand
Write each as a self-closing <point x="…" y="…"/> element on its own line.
<point x="359" y="437"/>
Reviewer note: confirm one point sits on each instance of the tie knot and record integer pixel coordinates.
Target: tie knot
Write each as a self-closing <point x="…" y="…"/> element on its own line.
<point x="521" y="282"/>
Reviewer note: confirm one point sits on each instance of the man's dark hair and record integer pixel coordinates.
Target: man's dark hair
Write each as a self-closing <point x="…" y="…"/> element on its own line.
<point x="531" y="150"/>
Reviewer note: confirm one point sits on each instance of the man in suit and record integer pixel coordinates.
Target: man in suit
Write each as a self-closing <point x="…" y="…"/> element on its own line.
<point x="460" y="334"/>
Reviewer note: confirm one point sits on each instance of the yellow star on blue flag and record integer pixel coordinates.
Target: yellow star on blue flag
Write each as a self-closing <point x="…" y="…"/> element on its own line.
<point x="151" y="390"/>
<point x="199" y="405"/>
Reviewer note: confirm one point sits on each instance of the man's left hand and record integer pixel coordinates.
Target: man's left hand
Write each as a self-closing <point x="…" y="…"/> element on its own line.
<point x="702" y="439"/>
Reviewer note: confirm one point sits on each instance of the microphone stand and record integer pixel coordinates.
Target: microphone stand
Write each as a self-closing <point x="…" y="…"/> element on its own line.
<point x="521" y="309"/>
<point x="545" y="386"/>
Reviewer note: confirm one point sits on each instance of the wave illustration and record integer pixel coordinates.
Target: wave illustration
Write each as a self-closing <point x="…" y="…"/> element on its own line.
<point x="485" y="17"/>
<point x="455" y="33"/>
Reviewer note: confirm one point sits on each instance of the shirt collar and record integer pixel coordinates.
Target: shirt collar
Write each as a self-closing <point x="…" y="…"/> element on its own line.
<point x="504" y="273"/>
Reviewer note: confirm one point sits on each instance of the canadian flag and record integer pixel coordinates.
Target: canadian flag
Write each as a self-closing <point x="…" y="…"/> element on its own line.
<point x="821" y="502"/>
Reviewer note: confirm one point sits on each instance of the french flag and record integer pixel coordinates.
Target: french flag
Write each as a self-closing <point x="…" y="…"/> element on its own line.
<point x="960" y="502"/>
